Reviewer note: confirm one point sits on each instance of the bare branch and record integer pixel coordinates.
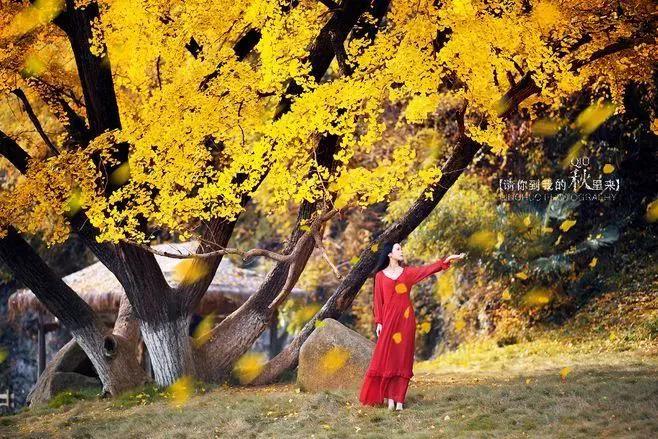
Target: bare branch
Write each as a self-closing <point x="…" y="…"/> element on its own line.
<point x="35" y="120"/>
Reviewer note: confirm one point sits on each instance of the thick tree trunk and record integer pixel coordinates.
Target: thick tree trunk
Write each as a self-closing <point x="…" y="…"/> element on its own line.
<point x="341" y="300"/>
<point x="113" y="356"/>
<point x="235" y="335"/>
<point x="170" y="349"/>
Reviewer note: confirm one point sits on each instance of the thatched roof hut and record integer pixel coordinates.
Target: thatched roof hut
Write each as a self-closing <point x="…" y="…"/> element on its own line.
<point x="98" y="287"/>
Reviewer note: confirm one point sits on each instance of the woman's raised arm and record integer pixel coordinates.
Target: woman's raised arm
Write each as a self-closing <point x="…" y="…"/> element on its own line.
<point x="419" y="272"/>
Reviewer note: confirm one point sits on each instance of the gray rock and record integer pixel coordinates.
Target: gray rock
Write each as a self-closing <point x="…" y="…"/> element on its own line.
<point x="69" y="370"/>
<point x="333" y="357"/>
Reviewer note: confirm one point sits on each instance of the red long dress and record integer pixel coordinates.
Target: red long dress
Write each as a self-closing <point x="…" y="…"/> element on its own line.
<point x="391" y="366"/>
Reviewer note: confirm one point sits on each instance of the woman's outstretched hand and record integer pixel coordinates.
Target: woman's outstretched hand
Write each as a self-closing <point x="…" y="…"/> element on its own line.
<point x="379" y="329"/>
<point x="455" y="257"/>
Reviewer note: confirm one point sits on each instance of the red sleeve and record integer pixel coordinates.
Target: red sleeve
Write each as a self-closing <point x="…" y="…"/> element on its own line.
<point x="378" y="301"/>
<point x="420" y="272"/>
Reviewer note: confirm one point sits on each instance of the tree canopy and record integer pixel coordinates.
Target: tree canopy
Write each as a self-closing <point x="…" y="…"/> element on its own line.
<point x="199" y="84"/>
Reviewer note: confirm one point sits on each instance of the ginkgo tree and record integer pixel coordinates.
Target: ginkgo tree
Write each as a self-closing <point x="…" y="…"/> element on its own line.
<point x="173" y="116"/>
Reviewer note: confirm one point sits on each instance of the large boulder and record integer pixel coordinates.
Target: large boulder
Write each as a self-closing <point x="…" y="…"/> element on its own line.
<point x="333" y="357"/>
<point x="69" y="370"/>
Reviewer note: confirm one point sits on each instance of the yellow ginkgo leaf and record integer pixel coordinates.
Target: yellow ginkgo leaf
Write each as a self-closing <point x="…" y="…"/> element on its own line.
<point x="500" y="238"/>
<point x="407" y="312"/>
<point x="3" y="355"/>
<point x="547" y="229"/>
<point x="538" y="297"/>
<point x="567" y="224"/>
<point x="181" y="390"/>
<point x="74" y="203"/>
<point x="546" y="127"/>
<point x="400" y="288"/>
<point x="203" y="330"/>
<point x="425" y="327"/>
<point x="249" y="366"/>
<point x="445" y="285"/>
<point x="593" y="262"/>
<point x="459" y="323"/>
<point x="506" y="294"/>
<point x="334" y="359"/>
<point x="593" y="116"/>
<point x="608" y="168"/>
<point x="397" y="337"/>
<point x="319" y="323"/>
<point x="652" y="211"/>
<point x="521" y="275"/>
<point x="354" y="260"/>
<point x="190" y="270"/>
<point x="484" y="240"/>
<point x="120" y="175"/>
<point x="374" y="248"/>
<point x="34" y="66"/>
<point x="527" y="221"/>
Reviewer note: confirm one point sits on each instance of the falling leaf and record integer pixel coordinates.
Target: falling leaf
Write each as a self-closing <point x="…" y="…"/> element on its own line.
<point x="190" y="270"/>
<point x="564" y="372"/>
<point x="355" y="260"/>
<point x="538" y="297"/>
<point x="460" y="323"/>
<point x="521" y="275"/>
<point x="120" y="175"/>
<point x="527" y="221"/>
<point x="397" y="337"/>
<point x="559" y="239"/>
<point x="305" y="228"/>
<point x="334" y="359"/>
<point x="593" y="116"/>
<point x="38" y="14"/>
<point x="445" y="285"/>
<point x="319" y="323"/>
<point x="407" y="312"/>
<point x="374" y="248"/>
<point x="500" y="239"/>
<point x="546" y="127"/>
<point x="400" y="288"/>
<point x="34" y="66"/>
<point x="249" y="366"/>
<point x="484" y="240"/>
<point x="652" y="211"/>
<point x="593" y="262"/>
<point x="181" y="390"/>
<point x="506" y="294"/>
<point x="3" y="354"/>
<point x="203" y="330"/>
<point x="425" y="327"/>
<point x="74" y="203"/>
<point x="547" y="229"/>
<point x="608" y="168"/>
<point x="567" y="224"/>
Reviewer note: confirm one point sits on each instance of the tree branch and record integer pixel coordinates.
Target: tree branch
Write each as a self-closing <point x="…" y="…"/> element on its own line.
<point x="35" y="120"/>
<point x="10" y="150"/>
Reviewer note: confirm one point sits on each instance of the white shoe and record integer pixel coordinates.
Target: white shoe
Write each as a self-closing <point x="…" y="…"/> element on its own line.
<point x="398" y="406"/>
<point x="391" y="404"/>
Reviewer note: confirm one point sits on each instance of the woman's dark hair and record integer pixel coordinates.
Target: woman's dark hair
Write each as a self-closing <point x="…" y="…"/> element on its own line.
<point x="382" y="261"/>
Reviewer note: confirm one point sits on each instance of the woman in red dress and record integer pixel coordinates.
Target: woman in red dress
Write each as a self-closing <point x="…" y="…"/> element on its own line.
<point x="391" y="365"/>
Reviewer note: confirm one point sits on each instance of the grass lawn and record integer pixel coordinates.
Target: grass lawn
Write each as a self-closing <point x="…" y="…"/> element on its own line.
<point x="478" y="391"/>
